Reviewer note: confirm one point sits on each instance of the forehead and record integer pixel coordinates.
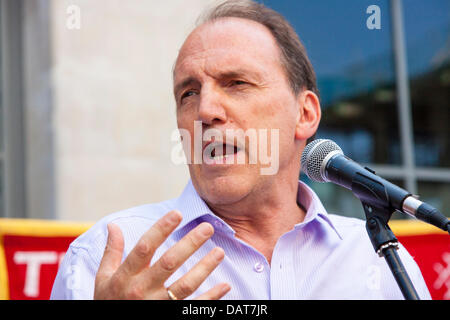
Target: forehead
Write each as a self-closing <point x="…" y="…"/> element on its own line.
<point x="228" y="43"/>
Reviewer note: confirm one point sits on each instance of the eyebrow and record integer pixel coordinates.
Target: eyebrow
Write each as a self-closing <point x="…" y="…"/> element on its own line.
<point x="186" y="82"/>
<point x="241" y="72"/>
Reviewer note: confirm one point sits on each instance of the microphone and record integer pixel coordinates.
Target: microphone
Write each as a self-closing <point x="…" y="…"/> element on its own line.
<point x="324" y="161"/>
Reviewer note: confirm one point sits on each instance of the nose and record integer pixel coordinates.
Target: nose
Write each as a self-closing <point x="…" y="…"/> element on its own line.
<point x="211" y="109"/>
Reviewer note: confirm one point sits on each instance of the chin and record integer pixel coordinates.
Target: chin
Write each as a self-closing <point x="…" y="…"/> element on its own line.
<point x="223" y="189"/>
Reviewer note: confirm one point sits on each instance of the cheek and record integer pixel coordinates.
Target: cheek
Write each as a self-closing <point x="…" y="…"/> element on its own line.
<point x="273" y="113"/>
<point x="186" y="130"/>
<point x="280" y="114"/>
<point x="185" y="119"/>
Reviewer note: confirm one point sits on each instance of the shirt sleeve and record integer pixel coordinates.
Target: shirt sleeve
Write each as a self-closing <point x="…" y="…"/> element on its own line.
<point x="76" y="276"/>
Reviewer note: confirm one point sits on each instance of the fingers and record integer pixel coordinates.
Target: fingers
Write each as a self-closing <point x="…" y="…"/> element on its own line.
<point x="215" y="293"/>
<point x="173" y="258"/>
<point x="134" y="277"/>
<point x="112" y="256"/>
<point x="139" y="258"/>
<point x="186" y="285"/>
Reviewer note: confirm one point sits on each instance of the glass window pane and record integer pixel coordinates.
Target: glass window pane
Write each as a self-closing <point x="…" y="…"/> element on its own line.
<point x="436" y="194"/>
<point x="427" y="32"/>
<point x="355" y="72"/>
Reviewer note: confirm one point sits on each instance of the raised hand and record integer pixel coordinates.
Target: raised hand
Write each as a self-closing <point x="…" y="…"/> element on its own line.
<point x="136" y="279"/>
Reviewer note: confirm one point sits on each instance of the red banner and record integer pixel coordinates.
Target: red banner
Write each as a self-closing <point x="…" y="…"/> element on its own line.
<point x="31" y="250"/>
<point x="432" y="254"/>
<point x="32" y="264"/>
<point x="30" y="253"/>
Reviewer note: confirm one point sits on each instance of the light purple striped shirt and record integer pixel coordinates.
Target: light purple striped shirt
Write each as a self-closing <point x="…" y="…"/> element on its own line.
<point x="324" y="257"/>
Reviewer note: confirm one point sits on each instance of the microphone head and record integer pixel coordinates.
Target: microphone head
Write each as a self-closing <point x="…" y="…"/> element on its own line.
<point x="314" y="156"/>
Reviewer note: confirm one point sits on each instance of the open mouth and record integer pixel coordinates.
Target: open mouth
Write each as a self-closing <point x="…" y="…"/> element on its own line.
<point x="217" y="152"/>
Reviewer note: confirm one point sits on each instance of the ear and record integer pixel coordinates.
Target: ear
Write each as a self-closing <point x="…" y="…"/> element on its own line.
<point x="308" y="116"/>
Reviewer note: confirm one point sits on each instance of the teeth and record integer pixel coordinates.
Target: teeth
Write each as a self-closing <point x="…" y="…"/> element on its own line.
<point x="221" y="157"/>
<point x="218" y="146"/>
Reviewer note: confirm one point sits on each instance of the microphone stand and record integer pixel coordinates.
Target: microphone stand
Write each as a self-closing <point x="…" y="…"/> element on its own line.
<point x="386" y="245"/>
<point x="378" y="208"/>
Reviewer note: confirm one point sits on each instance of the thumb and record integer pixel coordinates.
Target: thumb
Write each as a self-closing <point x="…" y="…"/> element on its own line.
<point x="112" y="256"/>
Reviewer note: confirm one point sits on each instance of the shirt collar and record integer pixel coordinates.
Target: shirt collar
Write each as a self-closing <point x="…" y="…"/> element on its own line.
<point x="314" y="208"/>
<point x="192" y="207"/>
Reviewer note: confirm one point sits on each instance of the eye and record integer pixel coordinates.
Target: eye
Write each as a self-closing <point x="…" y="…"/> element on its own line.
<point x="237" y="82"/>
<point x="187" y="94"/>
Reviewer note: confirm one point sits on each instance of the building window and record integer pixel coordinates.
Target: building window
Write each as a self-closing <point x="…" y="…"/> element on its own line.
<point x="394" y="123"/>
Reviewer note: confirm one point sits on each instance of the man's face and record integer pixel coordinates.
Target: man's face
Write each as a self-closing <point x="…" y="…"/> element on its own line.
<point x="229" y="76"/>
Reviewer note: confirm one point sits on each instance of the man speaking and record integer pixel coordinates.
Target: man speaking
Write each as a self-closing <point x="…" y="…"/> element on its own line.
<point x="236" y="231"/>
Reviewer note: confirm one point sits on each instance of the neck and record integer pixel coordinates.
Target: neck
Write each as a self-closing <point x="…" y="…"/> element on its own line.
<point x="265" y="214"/>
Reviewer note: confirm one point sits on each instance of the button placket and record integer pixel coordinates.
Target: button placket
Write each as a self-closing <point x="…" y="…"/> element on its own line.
<point x="258" y="267"/>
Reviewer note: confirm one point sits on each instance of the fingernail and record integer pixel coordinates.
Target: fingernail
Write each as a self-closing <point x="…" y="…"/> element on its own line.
<point x="219" y="253"/>
<point x="225" y="288"/>
<point x="174" y="217"/>
<point x="205" y="229"/>
<point x="109" y="227"/>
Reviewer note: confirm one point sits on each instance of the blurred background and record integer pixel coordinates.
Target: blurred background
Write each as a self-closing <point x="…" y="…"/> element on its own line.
<point x="87" y="110"/>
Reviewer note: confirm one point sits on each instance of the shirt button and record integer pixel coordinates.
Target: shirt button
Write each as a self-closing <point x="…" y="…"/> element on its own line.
<point x="218" y="224"/>
<point x="258" y="267"/>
